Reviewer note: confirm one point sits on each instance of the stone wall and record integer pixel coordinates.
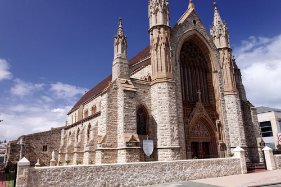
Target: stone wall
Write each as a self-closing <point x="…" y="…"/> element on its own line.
<point x="12" y="153"/>
<point x="142" y="74"/>
<point x="32" y="147"/>
<point x="278" y="161"/>
<point x="135" y="174"/>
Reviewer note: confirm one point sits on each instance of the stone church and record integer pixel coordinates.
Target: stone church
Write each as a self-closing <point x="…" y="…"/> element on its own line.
<point x="184" y="92"/>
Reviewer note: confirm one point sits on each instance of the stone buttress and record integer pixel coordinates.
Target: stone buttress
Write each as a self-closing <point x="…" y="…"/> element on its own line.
<point x="117" y="138"/>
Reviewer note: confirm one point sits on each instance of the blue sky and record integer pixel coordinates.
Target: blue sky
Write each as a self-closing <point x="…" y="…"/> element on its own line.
<point x="52" y="51"/>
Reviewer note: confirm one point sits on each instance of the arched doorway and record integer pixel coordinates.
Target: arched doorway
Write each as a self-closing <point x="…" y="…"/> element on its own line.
<point x="202" y="140"/>
<point x="198" y="91"/>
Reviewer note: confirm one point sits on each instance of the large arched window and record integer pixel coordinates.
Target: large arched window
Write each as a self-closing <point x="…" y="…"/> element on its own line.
<point x="142" y="121"/>
<point x="195" y="74"/>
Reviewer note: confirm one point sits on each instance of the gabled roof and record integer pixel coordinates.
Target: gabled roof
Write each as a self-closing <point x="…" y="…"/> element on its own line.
<point x="98" y="89"/>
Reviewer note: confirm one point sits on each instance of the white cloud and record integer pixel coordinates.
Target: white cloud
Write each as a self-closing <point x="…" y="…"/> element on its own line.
<point x="22" y="88"/>
<point x="260" y="61"/>
<point x="62" y="90"/>
<point x="27" y="122"/>
<point x="33" y="107"/>
<point x="4" y="70"/>
<point x="41" y="108"/>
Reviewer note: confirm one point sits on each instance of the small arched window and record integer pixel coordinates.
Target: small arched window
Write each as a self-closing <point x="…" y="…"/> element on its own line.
<point x="86" y="114"/>
<point x="69" y="137"/>
<point x="142" y="121"/>
<point x="77" y="134"/>
<point x="94" y="109"/>
<point x="88" y="132"/>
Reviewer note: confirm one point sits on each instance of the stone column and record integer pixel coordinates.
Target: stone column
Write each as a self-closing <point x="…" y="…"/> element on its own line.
<point x="269" y="158"/>
<point x="240" y="153"/>
<point x="22" y="173"/>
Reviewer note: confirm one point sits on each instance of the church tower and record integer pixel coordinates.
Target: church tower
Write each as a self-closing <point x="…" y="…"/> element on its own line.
<point x="234" y="121"/>
<point x="160" y="31"/>
<point x="120" y="67"/>
<point x="163" y="88"/>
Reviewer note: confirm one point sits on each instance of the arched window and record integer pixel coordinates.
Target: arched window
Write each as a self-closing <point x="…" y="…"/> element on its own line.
<point x="88" y="132"/>
<point x="77" y="134"/>
<point x="142" y="121"/>
<point x="195" y="74"/>
<point x="94" y="109"/>
<point x="69" y="137"/>
<point x="86" y="114"/>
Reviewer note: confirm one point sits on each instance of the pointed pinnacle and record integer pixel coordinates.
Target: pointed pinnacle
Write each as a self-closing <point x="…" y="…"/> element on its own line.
<point x="120" y="26"/>
<point x="120" y="22"/>
<point x="191" y="5"/>
<point x="215" y="4"/>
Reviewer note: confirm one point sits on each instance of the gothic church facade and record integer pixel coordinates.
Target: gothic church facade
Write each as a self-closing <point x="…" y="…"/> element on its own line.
<point x="184" y="92"/>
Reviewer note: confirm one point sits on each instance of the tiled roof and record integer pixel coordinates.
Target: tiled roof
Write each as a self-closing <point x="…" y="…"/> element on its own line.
<point x="103" y="84"/>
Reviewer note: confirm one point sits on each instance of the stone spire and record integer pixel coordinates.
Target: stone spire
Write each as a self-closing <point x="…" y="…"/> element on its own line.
<point x="219" y="30"/>
<point x="120" y="42"/>
<point x="220" y="36"/>
<point x="191" y="5"/>
<point x="158" y="11"/>
<point x="120" y="68"/>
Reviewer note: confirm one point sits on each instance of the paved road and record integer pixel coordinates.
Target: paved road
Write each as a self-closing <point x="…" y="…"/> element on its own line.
<point x="248" y="180"/>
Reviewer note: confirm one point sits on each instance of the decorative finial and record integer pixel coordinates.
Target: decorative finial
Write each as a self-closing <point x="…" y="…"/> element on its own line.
<point x="191" y="5"/>
<point x="120" y="22"/>
<point x="120" y="26"/>
<point x="215" y="4"/>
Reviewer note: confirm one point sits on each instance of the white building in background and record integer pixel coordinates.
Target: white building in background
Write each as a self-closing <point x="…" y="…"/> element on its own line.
<point x="270" y="125"/>
<point x="3" y="147"/>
